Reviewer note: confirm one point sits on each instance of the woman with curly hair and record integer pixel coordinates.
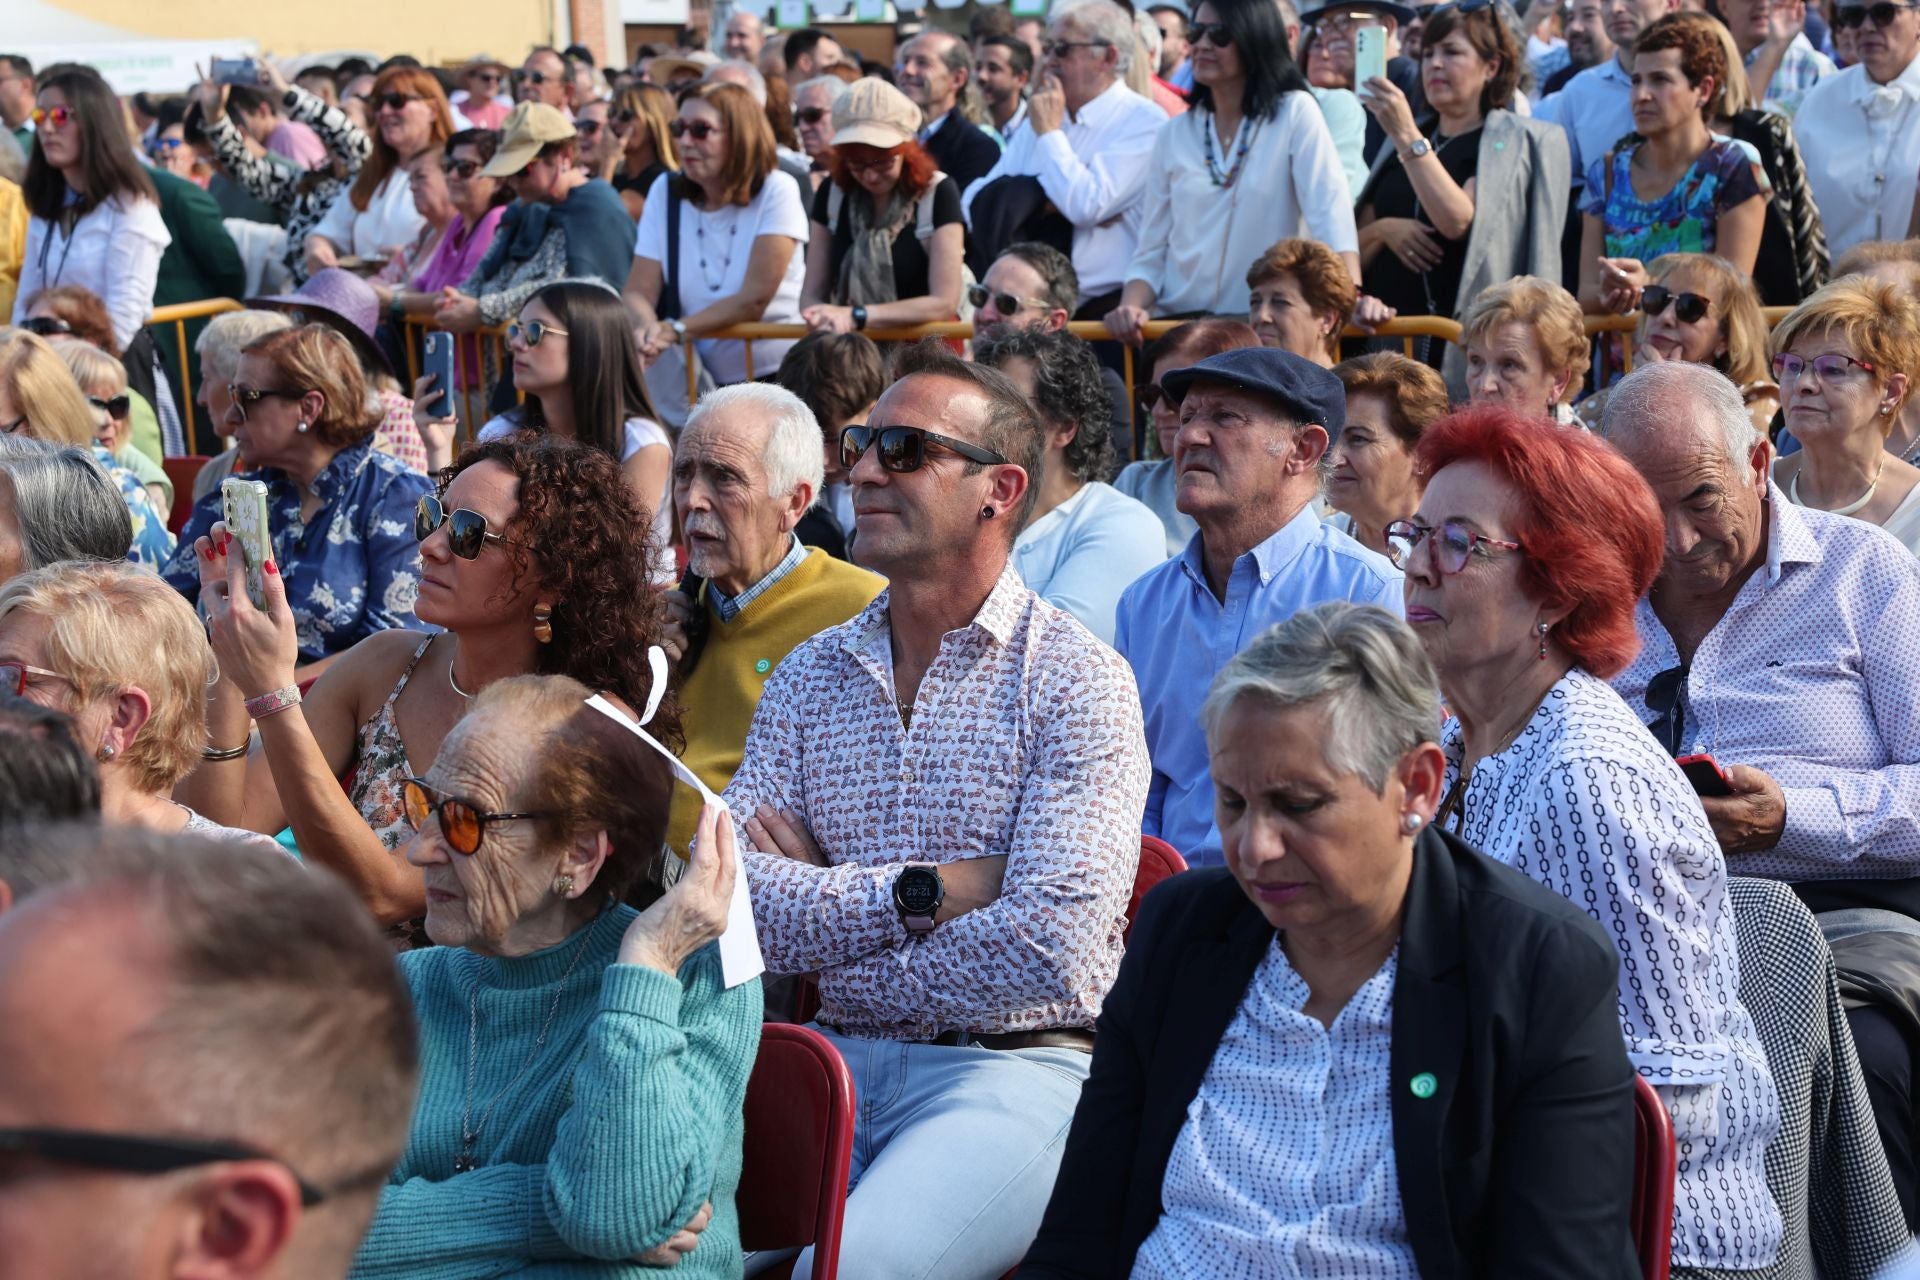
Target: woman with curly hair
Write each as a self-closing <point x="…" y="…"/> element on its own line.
<point x="530" y="555"/>
<point x="1084" y="540"/>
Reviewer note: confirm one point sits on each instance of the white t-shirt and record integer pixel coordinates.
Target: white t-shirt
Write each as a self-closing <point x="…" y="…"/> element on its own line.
<point x="641" y="432"/>
<point x="714" y="247"/>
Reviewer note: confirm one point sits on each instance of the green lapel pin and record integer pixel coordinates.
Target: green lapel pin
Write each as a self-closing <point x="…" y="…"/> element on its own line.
<point x="762" y="666"/>
<point x="1424" y="1085"/>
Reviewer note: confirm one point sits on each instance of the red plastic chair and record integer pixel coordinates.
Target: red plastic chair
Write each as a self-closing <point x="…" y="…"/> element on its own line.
<point x="1158" y="860"/>
<point x="799" y="1146"/>
<point x="1655" y="1166"/>
<point x="182" y="472"/>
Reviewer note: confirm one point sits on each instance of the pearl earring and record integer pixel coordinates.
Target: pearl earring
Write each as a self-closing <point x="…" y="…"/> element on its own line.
<point x="106" y="752"/>
<point x="302" y="428"/>
<point x="1411" y="823"/>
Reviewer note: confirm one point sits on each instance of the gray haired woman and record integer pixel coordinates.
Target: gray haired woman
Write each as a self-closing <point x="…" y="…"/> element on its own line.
<point x="219" y="346"/>
<point x="1360" y="1046"/>
<point x="56" y="504"/>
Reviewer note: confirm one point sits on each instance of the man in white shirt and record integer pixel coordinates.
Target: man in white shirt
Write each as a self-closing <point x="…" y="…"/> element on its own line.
<point x="1003" y="67"/>
<point x="1089" y="142"/>
<point x="1859" y="131"/>
<point x="1594" y="107"/>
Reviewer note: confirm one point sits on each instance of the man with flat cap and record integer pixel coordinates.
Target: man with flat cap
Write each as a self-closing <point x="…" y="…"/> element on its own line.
<point x="1255" y="429"/>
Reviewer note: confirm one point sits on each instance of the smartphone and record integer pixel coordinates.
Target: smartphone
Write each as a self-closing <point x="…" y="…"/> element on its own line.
<point x="245" y="504"/>
<point x="235" y="71"/>
<point x="1369" y="56"/>
<point x="363" y="267"/>
<point x="439" y="363"/>
<point x="1705" y="775"/>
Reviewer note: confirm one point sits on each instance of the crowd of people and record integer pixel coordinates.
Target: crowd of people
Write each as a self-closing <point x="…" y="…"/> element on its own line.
<point x="1530" y="717"/>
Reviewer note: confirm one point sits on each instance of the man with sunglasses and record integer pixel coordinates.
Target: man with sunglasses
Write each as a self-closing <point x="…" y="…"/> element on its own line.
<point x="543" y="78"/>
<point x="1251" y="454"/>
<point x="1859" y="131"/>
<point x="1780" y="641"/>
<point x="1088" y="142"/>
<point x="943" y="796"/>
<point x="241" y="1082"/>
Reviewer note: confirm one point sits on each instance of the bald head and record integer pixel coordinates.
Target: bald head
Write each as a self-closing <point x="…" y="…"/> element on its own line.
<point x="746" y="35"/>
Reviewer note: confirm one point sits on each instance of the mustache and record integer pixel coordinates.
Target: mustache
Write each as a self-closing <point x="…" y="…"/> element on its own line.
<point x="704" y="524"/>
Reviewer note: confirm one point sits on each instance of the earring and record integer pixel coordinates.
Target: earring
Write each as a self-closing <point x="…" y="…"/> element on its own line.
<point x="563" y="885"/>
<point x="106" y="752"/>
<point x="1411" y="823"/>
<point x="543" y="623"/>
<point x="302" y="428"/>
<point x="987" y="513"/>
<point x="1542" y="628"/>
<point x="1885" y="410"/>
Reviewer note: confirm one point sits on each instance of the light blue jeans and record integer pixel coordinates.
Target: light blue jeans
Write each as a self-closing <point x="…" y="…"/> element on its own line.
<point x="954" y="1156"/>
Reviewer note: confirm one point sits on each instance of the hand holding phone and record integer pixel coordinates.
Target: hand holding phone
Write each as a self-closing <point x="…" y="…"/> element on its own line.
<point x="236" y="71"/>
<point x="439" y="363"/>
<point x="245" y="504"/>
<point x="1705" y="774"/>
<point x="1369" y="56"/>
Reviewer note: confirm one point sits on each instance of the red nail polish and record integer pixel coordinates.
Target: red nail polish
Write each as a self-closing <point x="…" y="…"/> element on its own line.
<point x="273" y="568"/>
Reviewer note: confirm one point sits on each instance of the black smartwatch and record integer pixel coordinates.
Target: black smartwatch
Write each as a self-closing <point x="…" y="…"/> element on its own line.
<point x="859" y="317"/>
<point x="917" y="894"/>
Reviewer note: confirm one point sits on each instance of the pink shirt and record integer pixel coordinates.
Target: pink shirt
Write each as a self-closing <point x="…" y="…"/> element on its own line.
<point x="1025" y="741"/>
<point x="299" y="144"/>
<point x="397" y="433"/>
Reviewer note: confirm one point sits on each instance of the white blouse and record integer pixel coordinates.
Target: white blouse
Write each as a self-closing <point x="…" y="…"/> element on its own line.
<point x="1586" y="803"/>
<point x="641" y="433"/>
<point x="387" y="223"/>
<point x="1198" y="239"/>
<point x="114" y="253"/>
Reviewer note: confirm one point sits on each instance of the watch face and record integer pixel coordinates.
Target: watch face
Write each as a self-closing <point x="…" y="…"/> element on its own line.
<point x="917" y="891"/>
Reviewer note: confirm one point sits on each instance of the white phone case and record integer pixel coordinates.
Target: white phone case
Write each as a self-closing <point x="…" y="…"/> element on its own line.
<point x="245" y="504"/>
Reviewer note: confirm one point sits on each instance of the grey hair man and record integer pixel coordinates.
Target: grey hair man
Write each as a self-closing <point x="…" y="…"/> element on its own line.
<point x="219" y="346"/>
<point x="242" y="1081"/>
<point x="1780" y="639"/>
<point x="56" y="504"/>
<point x="813" y="102"/>
<point x="935" y="70"/>
<point x="744" y="74"/>
<point x="747" y="468"/>
<point x="1088" y="141"/>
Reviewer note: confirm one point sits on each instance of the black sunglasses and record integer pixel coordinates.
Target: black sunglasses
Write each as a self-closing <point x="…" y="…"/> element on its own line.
<point x="1152" y="393"/>
<point x="1847" y="17"/>
<point x="1214" y="33"/>
<point x="462" y="169"/>
<point x="587" y="128"/>
<point x="116" y="406"/>
<point x="904" y="449"/>
<point x="700" y="129"/>
<point x="394" y="101"/>
<point x="139" y="1153"/>
<point x="811" y="115"/>
<point x="46" y="326"/>
<point x="461" y="821"/>
<point x="1689" y="307"/>
<point x="467" y="531"/>
<point x="244" y="398"/>
<point x="1665" y="697"/>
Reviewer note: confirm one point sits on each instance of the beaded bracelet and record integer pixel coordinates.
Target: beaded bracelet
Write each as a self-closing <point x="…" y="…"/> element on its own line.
<point x="269" y="703"/>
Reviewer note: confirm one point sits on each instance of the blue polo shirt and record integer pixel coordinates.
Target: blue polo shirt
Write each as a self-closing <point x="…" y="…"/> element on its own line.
<point x="1177" y="636"/>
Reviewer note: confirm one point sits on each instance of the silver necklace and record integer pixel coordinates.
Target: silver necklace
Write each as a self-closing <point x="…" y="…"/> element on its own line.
<point x="1793" y="494"/>
<point x="455" y="684"/>
<point x="470" y="1134"/>
<point x="700" y="235"/>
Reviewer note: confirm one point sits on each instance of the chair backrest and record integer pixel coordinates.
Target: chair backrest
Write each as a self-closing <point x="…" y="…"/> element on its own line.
<point x="1158" y="860"/>
<point x="1655" y="1165"/>
<point x="799" y="1146"/>
<point x="182" y="472"/>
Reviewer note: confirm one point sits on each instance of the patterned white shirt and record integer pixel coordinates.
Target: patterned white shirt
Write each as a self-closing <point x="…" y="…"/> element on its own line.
<point x="1587" y="803"/>
<point x="1812" y="676"/>
<point x="1026" y="741"/>
<point x="1285" y="1166"/>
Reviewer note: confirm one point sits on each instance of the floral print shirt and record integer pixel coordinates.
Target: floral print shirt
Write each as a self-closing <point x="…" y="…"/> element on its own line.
<point x="351" y="570"/>
<point x="152" y="543"/>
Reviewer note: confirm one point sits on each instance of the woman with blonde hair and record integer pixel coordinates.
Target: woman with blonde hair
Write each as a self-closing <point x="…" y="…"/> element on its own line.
<point x="648" y="111"/>
<point x="103" y="381"/>
<point x="119" y="651"/>
<point x="1526" y="344"/>
<point x="375" y="215"/>
<point x="1845" y="360"/>
<point x="39" y="398"/>
<point x="1299" y="295"/>
<point x="1697" y="308"/>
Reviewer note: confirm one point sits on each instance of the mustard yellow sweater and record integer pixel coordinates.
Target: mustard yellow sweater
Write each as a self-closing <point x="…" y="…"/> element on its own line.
<point x="719" y="698"/>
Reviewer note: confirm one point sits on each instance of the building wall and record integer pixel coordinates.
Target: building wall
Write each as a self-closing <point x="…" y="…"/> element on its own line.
<point x="435" y="31"/>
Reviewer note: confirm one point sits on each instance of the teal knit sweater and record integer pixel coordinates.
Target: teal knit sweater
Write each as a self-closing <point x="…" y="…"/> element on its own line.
<point x="623" y="1124"/>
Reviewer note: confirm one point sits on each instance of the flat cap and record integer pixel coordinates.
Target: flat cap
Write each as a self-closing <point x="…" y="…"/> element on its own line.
<point x="1305" y="391"/>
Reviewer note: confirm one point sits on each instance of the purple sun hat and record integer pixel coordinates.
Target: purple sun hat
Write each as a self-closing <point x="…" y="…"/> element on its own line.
<point x="340" y="300"/>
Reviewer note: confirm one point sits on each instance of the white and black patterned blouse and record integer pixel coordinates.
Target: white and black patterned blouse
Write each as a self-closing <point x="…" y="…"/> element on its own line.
<point x="1587" y="803"/>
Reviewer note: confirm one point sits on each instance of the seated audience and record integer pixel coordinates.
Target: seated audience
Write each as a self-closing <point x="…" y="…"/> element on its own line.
<point x="943" y="796"/>
<point x="886" y="232"/>
<point x="70" y="311"/>
<point x="935" y="71"/>
<point x="524" y="575"/>
<point x="1251" y="454"/>
<point x="1376" y="480"/>
<point x="1526" y="348"/>
<point x="1896" y="263"/>
<point x="376" y="214"/>
<point x="1778" y="638"/>
<point x="1250" y="164"/>
<point x="813" y="104"/>
<point x="463" y="208"/>
<point x="1155" y="481"/>
<point x="563" y="224"/>
<point x="56" y="503"/>
<point x="40" y="399"/>
<point x="1846" y="360"/>
<point x="1299" y="294"/>
<point x="118" y="650"/>
<point x="1083" y="540"/>
<point x="739" y="239"/>
<point x="1698" y="309"/>
<point x="46" y="776"/>
<point x="238" y="1089"/>
<point x="1087" y="145"/>
<point x="839" y="377"/>
<point x="103" y="381"/>
<point x="337" y="508"/>
<point x="1263" y="1003"/>
<point x="1523" y="561"/>
<point x="648" y="151"/>
<point x="615" y="1056"/>
<point x="1675" y="186"/>
<point x="746" y="472"/>
<point x="219" y="346"/>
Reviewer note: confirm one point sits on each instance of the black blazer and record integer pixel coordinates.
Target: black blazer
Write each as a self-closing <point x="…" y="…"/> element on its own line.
<point x="1518" y="1165"/>
<point x="962" y="150"/>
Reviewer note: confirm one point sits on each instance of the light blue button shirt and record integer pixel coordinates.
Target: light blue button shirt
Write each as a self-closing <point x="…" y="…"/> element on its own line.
<point x="1082" y="554"/>
<point x="1177" y="636"/>
<point x="1596" y="112"/>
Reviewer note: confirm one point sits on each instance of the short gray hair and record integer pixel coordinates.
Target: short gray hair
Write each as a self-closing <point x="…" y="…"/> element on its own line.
<point x="1104" y="21"/>
<point x="67" y="507"/>
<point x="756" y="84"/>
<point x="836" y="88"/>
<point x="1364" y="664"/>
<point x="792" y="453"/>
<point x="1643" y="402"/>
<point x="231" y="332"/>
